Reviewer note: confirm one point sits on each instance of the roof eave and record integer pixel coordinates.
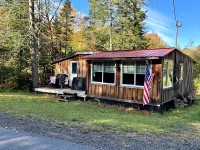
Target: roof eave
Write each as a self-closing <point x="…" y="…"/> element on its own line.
<point x="123" y="58"/>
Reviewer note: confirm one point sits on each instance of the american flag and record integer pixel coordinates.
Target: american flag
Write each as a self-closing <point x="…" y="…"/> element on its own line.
<point x="147" y="85"/>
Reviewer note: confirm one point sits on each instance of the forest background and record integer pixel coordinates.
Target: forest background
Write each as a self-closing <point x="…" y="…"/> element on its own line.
<point x="35" y="33"/>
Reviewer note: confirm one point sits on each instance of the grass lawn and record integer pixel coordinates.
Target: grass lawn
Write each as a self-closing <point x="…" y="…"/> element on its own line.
<point x="184" y="123"/>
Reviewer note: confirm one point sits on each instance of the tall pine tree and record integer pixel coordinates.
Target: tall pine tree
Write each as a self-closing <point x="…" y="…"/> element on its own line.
<point x="97" y="31"/>
<point x="129" y="25"/>
<point x="66" y="20"/>
<point x="117" y="24"/>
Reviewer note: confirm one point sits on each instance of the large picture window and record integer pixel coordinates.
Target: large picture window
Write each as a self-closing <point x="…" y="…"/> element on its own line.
<point x="103" y="72"/>
<point x="168" y="73"/>
<point x="133" y="73"/>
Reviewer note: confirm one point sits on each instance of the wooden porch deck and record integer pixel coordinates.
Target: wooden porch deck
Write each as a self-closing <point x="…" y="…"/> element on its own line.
<point x="60" y="91"/>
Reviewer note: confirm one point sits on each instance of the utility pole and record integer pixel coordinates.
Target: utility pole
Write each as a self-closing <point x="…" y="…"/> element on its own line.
<point x="178" y="25"/>
<point x="32" y="40"/>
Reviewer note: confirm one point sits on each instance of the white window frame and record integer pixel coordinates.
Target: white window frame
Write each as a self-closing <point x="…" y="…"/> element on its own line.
<point x="71" y="69"/>
<point x="181" y="71"/>
<point x="129" y="85"/>
<point x="103" y="62"/>
<point x="169" y="60"/>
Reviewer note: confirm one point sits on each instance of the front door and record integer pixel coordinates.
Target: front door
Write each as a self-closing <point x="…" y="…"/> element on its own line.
<point x="73" y="71"/>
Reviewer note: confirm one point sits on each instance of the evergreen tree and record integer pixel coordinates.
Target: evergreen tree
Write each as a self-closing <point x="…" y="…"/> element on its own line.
<point x="112" y="24"/>
<point x="129" y="25"/>
<point x="97" y="31"/>
<point x="66" y="20"/>
<point x="14" y="43"/>
<point x="117" y="24"/>
<point x="14" y="48"/>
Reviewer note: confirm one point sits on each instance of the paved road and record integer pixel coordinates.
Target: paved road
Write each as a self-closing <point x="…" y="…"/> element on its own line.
<point x="17" y="140"/>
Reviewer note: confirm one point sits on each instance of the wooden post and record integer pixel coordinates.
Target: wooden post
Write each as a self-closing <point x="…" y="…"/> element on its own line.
<point x="117" y="78"/>
<point x="88" y="75"/>
<point x="161" y="86"/>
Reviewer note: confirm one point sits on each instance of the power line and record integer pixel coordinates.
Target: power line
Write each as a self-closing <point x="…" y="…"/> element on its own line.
<point x="174" y="10"/>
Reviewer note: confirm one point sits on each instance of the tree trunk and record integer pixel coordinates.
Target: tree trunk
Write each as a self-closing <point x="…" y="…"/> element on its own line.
<point x="110" y="28"/>
<point x="33" y="48"/>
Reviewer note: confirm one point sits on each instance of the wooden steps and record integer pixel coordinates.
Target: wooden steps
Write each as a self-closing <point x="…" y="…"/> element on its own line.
<point x="65" y="97"/>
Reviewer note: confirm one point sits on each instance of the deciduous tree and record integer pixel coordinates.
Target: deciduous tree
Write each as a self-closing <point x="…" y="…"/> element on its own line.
<point x="155" y="41"/>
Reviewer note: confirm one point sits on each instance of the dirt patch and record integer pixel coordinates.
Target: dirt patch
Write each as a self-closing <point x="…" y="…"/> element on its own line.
<point x="103" y="140"/>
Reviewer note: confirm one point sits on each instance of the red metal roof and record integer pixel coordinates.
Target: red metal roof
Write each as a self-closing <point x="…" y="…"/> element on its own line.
<point x="130" y="54"/>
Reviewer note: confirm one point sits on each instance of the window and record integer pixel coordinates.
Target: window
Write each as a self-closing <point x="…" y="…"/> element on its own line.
<point x="74" y="67"/>
<point x="103" y="72"/>
<point x="128" y="70"/>
<point x="109" y="72"/>
<point x="97" y="72"/>
<point x="181" y="71"/>
<point x="168" y="73"/>
<point x="140" y="72"/>
<point x="133" y="73"/>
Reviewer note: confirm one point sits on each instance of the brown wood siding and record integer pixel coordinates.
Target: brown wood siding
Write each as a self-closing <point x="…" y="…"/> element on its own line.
<point x="186" y="85"/>
<point x="188" y="71"/>
<point x="158" y="94"/>
<point x="122" y="92"/>
<point x="167" y="93"/>
<point x="63" y="66"/>
<point x="81" y="67"/>
<point x="179" y="86"/>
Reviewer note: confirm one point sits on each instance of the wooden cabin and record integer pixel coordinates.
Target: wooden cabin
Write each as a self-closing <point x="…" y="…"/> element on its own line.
<point x="73" y="66"/>
<point x="119" y="75"/>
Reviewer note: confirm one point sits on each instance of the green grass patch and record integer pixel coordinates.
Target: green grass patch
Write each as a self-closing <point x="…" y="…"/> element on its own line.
<point x="184" y="122"/>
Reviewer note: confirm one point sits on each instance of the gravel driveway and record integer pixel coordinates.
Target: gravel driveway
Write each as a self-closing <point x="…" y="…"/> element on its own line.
<point x="102" y="140"/>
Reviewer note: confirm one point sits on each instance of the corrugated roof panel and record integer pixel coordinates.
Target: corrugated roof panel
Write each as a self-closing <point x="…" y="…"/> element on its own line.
<point x="130" y="54"/>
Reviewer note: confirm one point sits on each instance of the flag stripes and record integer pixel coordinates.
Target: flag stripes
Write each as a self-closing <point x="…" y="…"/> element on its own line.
<point x="147" y="85"/>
